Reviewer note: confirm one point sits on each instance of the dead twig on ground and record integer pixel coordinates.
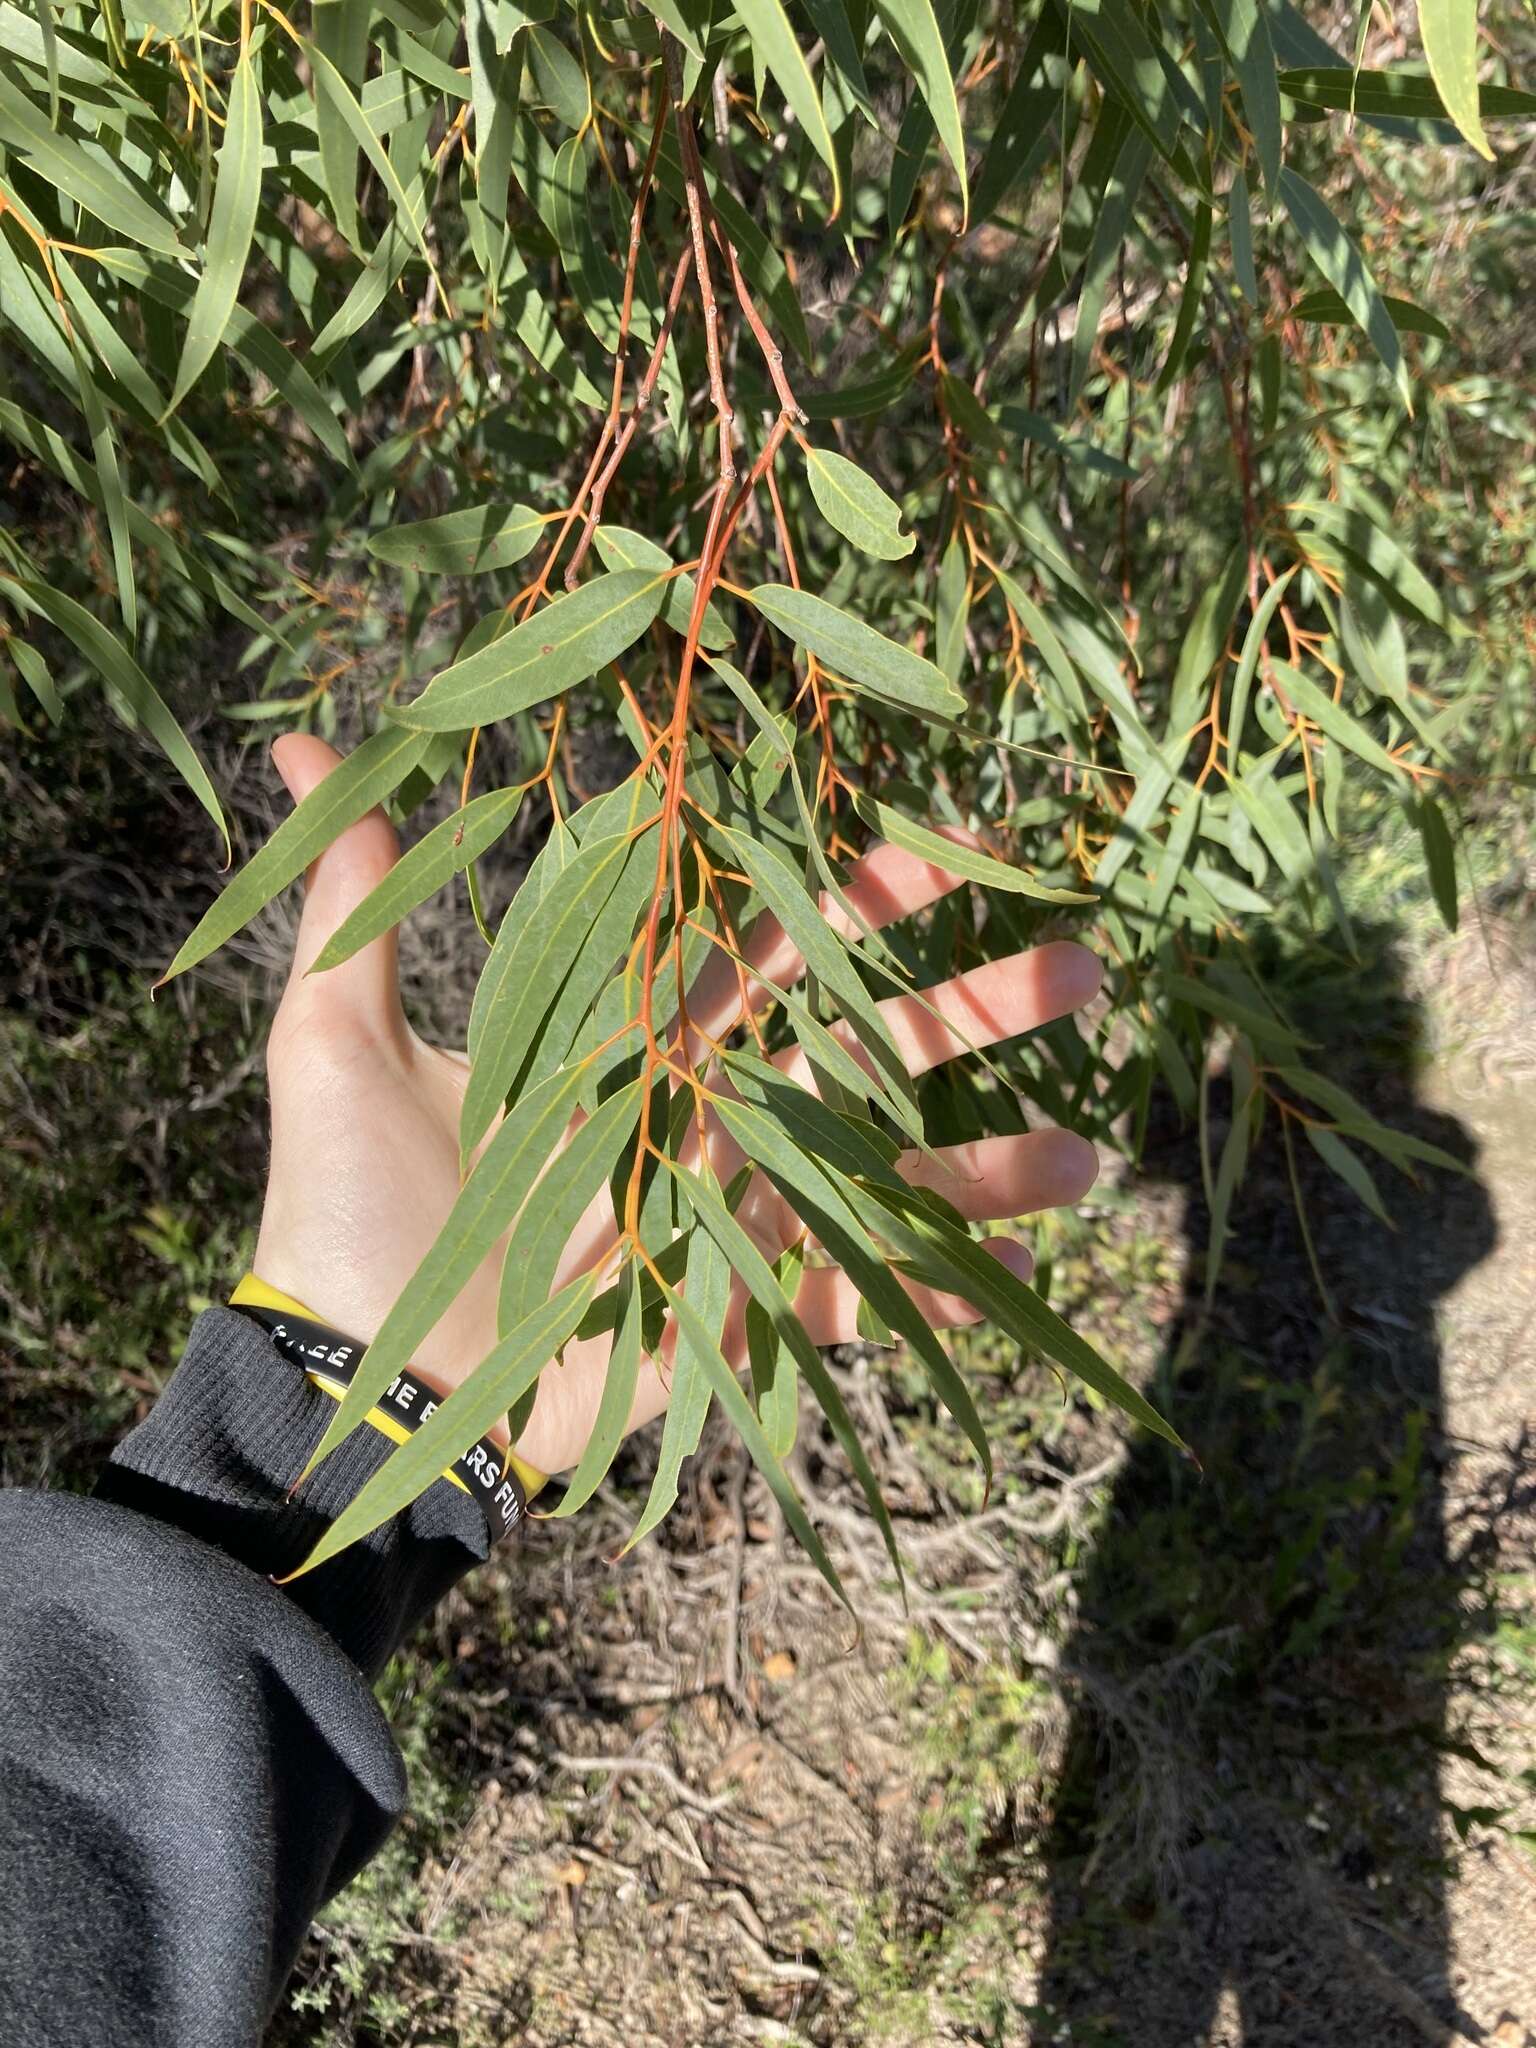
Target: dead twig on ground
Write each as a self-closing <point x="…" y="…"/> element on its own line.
<point x="648" y="1766"/>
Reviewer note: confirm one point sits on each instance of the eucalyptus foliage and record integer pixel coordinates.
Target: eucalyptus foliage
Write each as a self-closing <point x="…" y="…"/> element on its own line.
<point x="764" y="386"/>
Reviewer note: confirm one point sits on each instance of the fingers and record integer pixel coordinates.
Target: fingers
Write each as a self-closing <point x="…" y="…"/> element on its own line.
<point x="828" y="1301"/>
<point x="336" y="884"/>
<point x="1009" y="1176"/>
<point x="989" y="1179"/>
<point x="887" y="884"/>
<point x="993" y="1002"/>
<point x="988" y="1004"/>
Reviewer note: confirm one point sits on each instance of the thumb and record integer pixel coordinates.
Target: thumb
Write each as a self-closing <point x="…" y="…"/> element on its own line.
<point x="336" y="884"/>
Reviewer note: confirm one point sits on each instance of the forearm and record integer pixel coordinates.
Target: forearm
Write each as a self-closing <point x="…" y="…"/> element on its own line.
<point x="191" y="1760"/>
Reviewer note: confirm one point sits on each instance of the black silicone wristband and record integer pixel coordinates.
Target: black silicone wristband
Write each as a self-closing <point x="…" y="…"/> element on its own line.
<point x="332" y="1360"/>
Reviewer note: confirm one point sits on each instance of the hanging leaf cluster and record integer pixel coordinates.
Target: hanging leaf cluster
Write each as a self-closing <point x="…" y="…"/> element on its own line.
<point x="768" y="388"/>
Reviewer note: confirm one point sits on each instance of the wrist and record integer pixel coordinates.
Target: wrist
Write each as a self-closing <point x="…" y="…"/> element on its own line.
<point x="331" y="1359"/>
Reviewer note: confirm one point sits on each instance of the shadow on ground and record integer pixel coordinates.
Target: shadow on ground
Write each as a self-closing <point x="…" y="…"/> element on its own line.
<point x="1248" y="1840"/>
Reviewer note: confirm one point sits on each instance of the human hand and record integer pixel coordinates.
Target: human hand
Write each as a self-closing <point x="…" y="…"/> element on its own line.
<point x="365" y="1128"/>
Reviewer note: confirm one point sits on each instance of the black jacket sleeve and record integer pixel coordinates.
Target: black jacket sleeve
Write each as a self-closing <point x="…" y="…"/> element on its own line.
<point x="191" y="1758"/>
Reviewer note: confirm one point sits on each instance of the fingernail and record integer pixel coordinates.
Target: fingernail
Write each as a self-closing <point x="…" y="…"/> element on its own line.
<point x="277" y="763"/>
<point x="1085" y="971"/>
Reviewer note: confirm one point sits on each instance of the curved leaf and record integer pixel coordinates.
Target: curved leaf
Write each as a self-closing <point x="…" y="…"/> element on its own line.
<point x="857" y="652"/>
<point x="370" y="773"/>
<point x="855" y="505"/>
<point x="564" y="644"/>
<point x="913" y="27"/>
<point x="465" y="542"/>
<point x="957" y="859"/>
<point x="497" y="1383"/>
<point x="236" y="198"/>
<point x="111" y="659"/>
<point x="1338" y="257"/>
<point x="446" y="850"/>
<point x="768" y="29"/>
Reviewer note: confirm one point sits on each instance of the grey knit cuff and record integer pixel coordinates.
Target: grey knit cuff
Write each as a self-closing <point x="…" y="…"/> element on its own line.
<point x="217" y="1454"/>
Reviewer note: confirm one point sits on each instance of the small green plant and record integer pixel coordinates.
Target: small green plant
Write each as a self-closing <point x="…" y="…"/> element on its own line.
<point x="108" y="1249"/>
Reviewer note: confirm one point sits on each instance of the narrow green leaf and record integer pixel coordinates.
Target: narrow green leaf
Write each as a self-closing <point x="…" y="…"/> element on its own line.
<point x="1025" y="121"/>
<point x="1055" y="656"/>
<point x="1170" y="860"/>
<point x="775" y="1380"/>
<point x="1357" y="1122"/>
<point x="770" y="729"/>
<point x="236" y="198"/>
<point x="1273" y="816"/>
<point x="756" y="1275"/>
<point x="889" y="377"/>
<point x="446" y="850"/>
<point x="1123" y="58"/>
<point x="830" y="20"/>
<point x="856" y="651"/>
<point x="617" y="810"/>
<point x="44" y="12"/>
<point x="1407" y="94"/>
<point x="109" y="475"/>
<point x="739" y="1412"/>
<point x="914" y="29"/>
<point x="823" y="1199"/>
<point x="497" y="1383"/>
<point x="1245" y="33"/>
<point x="564" y="644"/>
<point x="1248" y="661"/>
<point x="1354" y="1173"/>
<point x="1190" y="298"/>
<point x="830" y="960"/>
<point x="370" y="773"/>
<point x="773" y="39"/>
<point x="677" y="21"/>
<point x="408" y="202"/>
<point x="946" y="1257"/>
<point x="1338" y="257"/>
<point x="620" y="1380"/>
<point x="707" y="1284"/>
<point x="543" y="985"/>
<point x="1328" y="309"/>
<point x="1240" y="237"/>
<point x="1205" y="641"/>
<point x="1334" y="720"/>
<point x="1221" y="1185"/>
<point x="559" y="81"/>
<point x="426" y="65"/>
<point x="975" y="865"/>
<point x="1259" y="1024"/>
<point x="1439" y="857"/>
<point x="37" y="676"/>
<point x="112" y="660"/>
<point x="341" y="31"/>
<point x="88" y="177"/>
<point x="574" y="1177"/>
<point x="254" y="343"/>
<point x="466" y="542"/>
<point x="1116" y="206"/>
<point x="952" y="609"/>
<point x="1364" y="537"/>
<point x="854" y="504"/>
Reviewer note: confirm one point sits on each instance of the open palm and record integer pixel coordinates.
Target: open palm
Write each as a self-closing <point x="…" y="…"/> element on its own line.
<point x="365" y="1128"/>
